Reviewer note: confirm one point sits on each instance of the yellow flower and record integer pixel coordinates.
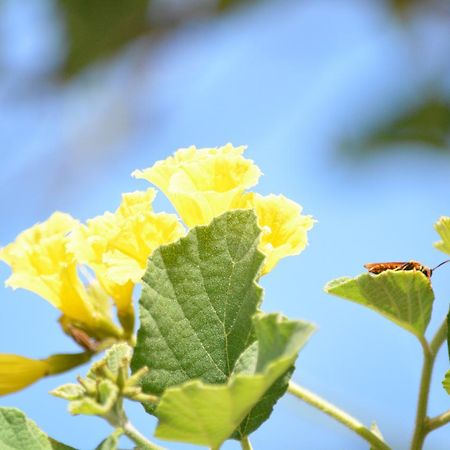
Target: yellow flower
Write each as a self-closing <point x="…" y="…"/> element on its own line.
<point x="203" y="183"/>
<point x="42" y="263"/>
<point x="117" y="245"/>
<point x="17" y="372"/>
<point x="284" y="228"/>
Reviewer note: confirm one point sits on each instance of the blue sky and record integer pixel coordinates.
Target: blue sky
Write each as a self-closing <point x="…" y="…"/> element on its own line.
<point x="292" y="80"/>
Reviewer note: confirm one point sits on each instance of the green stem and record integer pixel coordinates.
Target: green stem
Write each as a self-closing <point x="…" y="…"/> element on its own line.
<point x="141" y="441"/>
<point x="438" y="421"/>
<point x="119" y="420"/>
<point x="246" y="444"/>
<point x="430" y="352"/>
<point x="341" y="416"/>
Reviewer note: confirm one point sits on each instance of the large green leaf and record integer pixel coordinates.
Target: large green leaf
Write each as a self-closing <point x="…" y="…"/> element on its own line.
<point x="17" y="432"/>
<point x="199" y="297"/>
<point x="207" y="414"/>
<point x="405" y="297"/>
<point x="442" y="226"/>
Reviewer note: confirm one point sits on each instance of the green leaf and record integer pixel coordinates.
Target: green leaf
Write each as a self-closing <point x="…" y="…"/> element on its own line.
<point x="58" y="445"/>
<point x="17" y="432"/>
<point x="199" y="296"/>
<point x="446" y="382"/>
<point x="96" y="29"/>
<point x="69" y="391"/>
<point x="113" y="359"/>
<point x="108" y="394"/>
<point x="111" y="442"/>
<point x="206" y="414"/>
<point x="404" y="297"/>
<point x="442" y="226"/>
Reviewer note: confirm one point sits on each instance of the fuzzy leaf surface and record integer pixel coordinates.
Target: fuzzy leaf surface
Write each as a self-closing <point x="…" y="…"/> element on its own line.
<point x="17" y="432"/>
<point x="206" y="414"/>
<point x="404" y="297"/>
<point x="199" y="296"/>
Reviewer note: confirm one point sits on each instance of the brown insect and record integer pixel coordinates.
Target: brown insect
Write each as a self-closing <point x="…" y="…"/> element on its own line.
<point x="377" y="268"/>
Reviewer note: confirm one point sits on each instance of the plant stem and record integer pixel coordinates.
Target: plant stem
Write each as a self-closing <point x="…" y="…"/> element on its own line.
<point x="246" y="444"/>
<point x="141" y="441"/>
<point x="430" y="352"/>
<point x="341" y="416"/>
<point x="438" y="421"/>
<point x="119" y="420"/>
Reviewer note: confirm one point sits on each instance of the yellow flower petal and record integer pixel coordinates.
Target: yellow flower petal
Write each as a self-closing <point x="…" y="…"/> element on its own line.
<point x="18" y="372"/>
<point x="117" y="245"/>
<point x="284" y="228"/>
<point x="203" y="183"/>
<point x="38" y="255"/>
<point x="42" y="263"/>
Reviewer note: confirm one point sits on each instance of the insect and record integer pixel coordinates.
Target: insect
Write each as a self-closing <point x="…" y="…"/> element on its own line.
<point x="377" y="268"/>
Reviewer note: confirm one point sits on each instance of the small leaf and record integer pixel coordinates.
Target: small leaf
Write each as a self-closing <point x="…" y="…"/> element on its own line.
<point x="442" y="226"/>
<point x="17" y="432"/>
<point x="446" y="382"/>
<point x="404" y="297"/>
<point x="108" y="394"/>
<point x="206" y="414"/>
<point x="68" y="391"/>
<point x="111" y="442"/>
<point x="113" y="359"/>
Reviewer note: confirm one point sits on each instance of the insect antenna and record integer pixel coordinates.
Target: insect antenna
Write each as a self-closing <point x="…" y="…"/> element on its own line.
<point x="439" y="265"/>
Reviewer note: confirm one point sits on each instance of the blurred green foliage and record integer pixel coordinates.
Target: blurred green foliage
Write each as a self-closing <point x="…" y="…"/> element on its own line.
<point x="95" y="29"/>
<point x="98" y="28"/>
<point x="426" y="123"/>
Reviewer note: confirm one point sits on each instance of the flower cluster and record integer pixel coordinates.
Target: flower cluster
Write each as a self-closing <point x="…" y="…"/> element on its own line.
<point x="84" y="270"/>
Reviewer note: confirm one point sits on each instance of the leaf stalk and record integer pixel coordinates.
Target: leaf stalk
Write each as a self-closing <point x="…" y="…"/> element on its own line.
<point x="338" y="414"/>
<point x="246" y="444"/>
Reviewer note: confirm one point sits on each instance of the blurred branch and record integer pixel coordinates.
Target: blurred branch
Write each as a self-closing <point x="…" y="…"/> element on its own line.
<point x="428" y="123"/>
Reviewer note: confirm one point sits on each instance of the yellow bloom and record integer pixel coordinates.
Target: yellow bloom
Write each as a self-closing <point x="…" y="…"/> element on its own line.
<point x="203" y="183"/>
<point x="17" y="372"/>
<point x="117" y="245"/>
<point x="42" y="263"/>
<point x="284" y="228"/>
